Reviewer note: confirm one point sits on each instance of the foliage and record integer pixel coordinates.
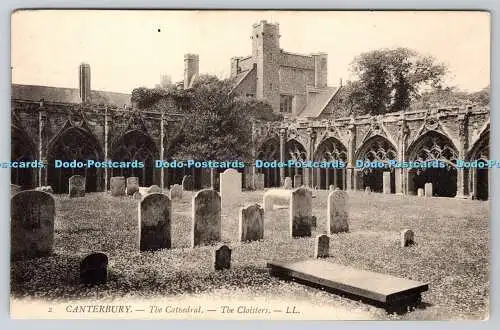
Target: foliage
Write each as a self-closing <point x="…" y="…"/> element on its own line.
<point x="389" y="79"/>
<point x="452" y="97"/>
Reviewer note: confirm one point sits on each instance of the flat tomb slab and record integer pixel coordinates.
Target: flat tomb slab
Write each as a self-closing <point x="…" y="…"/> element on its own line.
<point x="378" y="287"/>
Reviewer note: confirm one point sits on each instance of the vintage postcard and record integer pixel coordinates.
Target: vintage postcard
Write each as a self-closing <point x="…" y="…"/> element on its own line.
<point x="272" y="165"/>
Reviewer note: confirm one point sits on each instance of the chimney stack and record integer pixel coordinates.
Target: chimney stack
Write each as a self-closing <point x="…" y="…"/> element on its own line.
<point x="191" y="68"/>
<point x="84" y="75"/>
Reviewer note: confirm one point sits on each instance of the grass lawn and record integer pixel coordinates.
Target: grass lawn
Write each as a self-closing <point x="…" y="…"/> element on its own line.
<point x="452" y="253"/>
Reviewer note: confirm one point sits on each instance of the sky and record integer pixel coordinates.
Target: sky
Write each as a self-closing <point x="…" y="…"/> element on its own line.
<point x="129" y="49"/>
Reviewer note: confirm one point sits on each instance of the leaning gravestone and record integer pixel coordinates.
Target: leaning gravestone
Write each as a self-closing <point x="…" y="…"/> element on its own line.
<point x="155" y="222"/>
<point x="287" y="183"/>
<point x="32" y="224"/>
<point x="77" y="186"/>
<point x="187" y="183"/>
<point x="222" y="258"/>
<point x="14" y="189"/>
<point x="386" y="182"/>
<point x="428" y="189"/>
<point x="407" y="238"/>
<point x="117" y="185"/>
<point x="300" y="212"/>
<point x="206" y="226"/>
<point x="321" y="246"/>
<point x="420" y="192"/>
<point x="94" y="269"/>
<point x="154" y="189"/>
<point x="251" y="223"/>
<point x="137" y="195"/>
<point x="336" y="212"/>
<point x="230" y="187"/>
<point x="297" y="180"/>
<point x="259" y="181"/>
<point x="176" y="192"/>
<point x="132" y="185"/>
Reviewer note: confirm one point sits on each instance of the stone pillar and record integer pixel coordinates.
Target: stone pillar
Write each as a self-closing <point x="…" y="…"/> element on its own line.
<point x="162" y="150"/>
<point x="400" y="176"/>
<point x="282" y="154"/>
<point x="335" y="178"/>
<point x="107" y="171"/>
<point x="42" y="146"/>
<point x="463" y="118"/>
<point x="308" y="172"/>
<point x="351" y="149"/>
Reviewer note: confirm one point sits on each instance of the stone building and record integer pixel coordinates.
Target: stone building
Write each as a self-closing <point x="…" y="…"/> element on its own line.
<point x="50" y="123"/>
<point x="295" y="85"/>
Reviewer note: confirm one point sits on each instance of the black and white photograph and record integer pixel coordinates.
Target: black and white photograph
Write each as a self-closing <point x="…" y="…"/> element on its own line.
<point x="250" y="165"/>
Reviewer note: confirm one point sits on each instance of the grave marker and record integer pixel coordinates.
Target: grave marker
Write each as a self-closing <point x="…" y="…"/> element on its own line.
<point x="336" y="212"/>
<point x="251" y="223"/>
<point x="222" y="258"/>
<point x="321" y="246"/>
<point x="117" y="185"/>
<point x="94" y="269"/>
<point x="77" y="186"/>
<point x="206" y="213"/>
<point x="300" y="212"/>
<point x="155" y="222"/>
<point x="132" y="185"/>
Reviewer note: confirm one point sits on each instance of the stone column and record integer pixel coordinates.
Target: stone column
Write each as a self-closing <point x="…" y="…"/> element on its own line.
<point x="42" y="146"/>
<point x="107" y="171"/>
<point x="400" y="173"/>
<point x="307" y="181"/>
<point x="351" y="149"/>
<point x="162" y="149"/>
<point x="463" y="118"/>
<point x="282" y="154"/>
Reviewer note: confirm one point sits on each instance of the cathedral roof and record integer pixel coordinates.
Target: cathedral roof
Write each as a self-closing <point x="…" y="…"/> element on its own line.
<point x="66" y="95"/>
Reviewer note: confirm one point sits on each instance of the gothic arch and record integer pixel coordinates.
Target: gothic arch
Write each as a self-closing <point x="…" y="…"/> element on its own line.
<point x="135" y="145"/>
<point x="294" y="150"/>
<point x="478" y="180"/>
<point x="433" y="146"/>
<point x="269" y="151"/>
<point x="22" y="149"/>
<point x="330" y="150"/>
<point x="74" y="143"/>
<point x="376" y="149"/>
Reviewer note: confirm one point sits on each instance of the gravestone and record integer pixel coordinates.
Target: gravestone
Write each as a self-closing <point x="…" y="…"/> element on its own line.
<point x="47" y="189"/>
<point x="154" y="189"/>
<point x="137" y="195"/>
<point x="300" y="212"/>
<point x="368" y="190"/>
<point x="428" y="189"/>
<point x="176" y="192"/>
<point x="117" y="185"/>
<point x="222" y="258"/>
<point x="77" y="186"/>
<point x="14" y="189"/>
<point x="420" y="192"/>
<point x="407" y="237"/>
<point x="297" y="180"/>
<point x="249" y="181"/>
<point x="321" y="246"/>
<point x="230" y="187"/>
<point x="259" y="181"/>
<point x="386" y="183"/>
<point x="155" y="211"/>
<point x="187" y="183"/>
<point x="206" y="213"/>
<point x="274" y="197"/>
<point x="337" y="212"/>
<point x="132" y="185"/>
<point x="32" y="224"/>
<point x="287" y="184"/>
<point x="94" y="269"/>
<point x="251" y="223"/>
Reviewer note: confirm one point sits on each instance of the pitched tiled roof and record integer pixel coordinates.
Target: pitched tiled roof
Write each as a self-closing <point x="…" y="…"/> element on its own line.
<point x="317" y="101"/>
<point x="66" y="95"/>
<point x="240" y="77"/>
